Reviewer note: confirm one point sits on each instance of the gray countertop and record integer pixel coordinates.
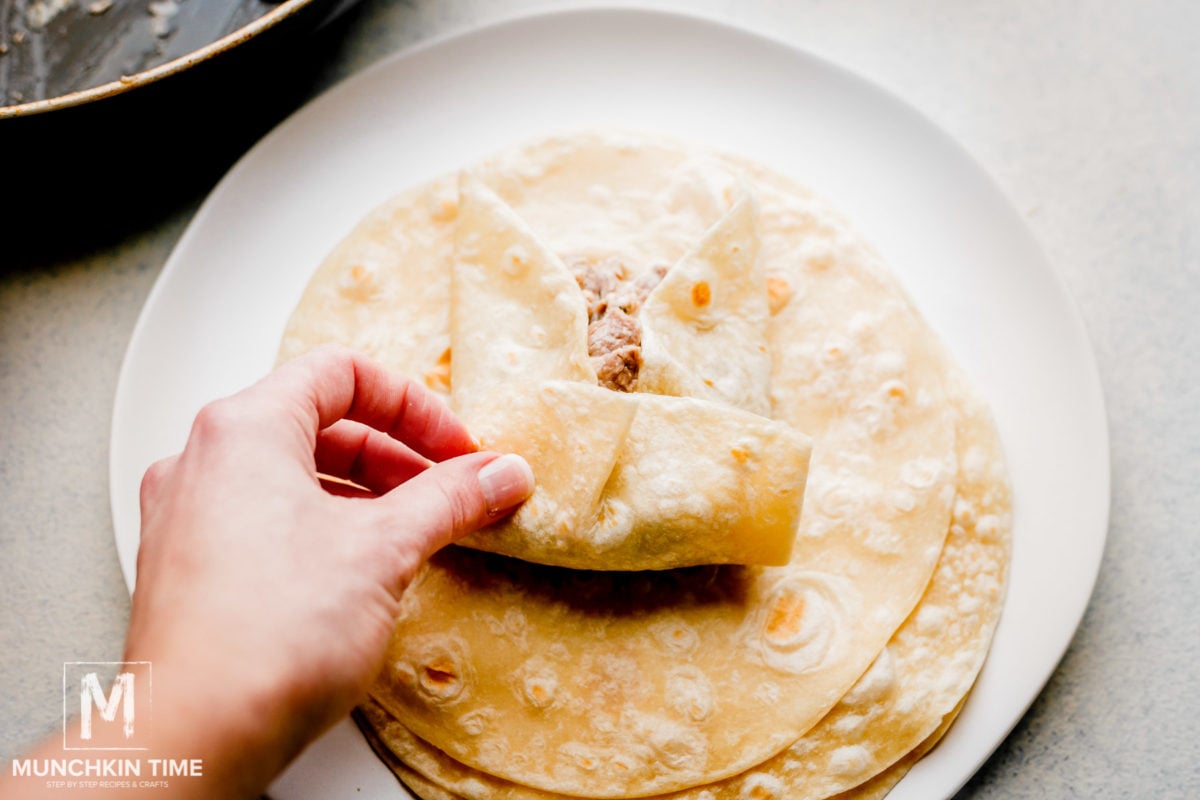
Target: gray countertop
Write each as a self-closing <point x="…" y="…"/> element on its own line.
<point x="1088" y="116"/>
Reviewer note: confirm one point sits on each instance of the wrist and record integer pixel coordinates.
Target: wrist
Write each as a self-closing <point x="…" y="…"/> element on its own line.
<point x="241" y="726"/>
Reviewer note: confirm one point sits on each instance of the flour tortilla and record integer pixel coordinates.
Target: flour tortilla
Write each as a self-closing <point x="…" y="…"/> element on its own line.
<point x="877" y="788"/>
<point x="670" y="479"/>
<point x="364" y="293"/>
<point x="624" y="684"/>
<point x="907" y="697"/>
<point x="705" y="325"/>
<point x="372" y="720"/>
<point x="883" y="783"/>
<point x="386" y="290"/>
<point x="518" y="318"/>
<point x="637" y="482"/>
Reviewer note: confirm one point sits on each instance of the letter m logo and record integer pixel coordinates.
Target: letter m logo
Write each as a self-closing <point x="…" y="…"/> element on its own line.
<point x="111" y="720"/>
<point x="91" y="697"/>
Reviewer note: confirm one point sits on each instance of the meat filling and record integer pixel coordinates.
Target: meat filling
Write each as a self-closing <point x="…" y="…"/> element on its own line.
<point x="614" y="333"/>
<point x="598" y="282"/>
<point x="615" y="348"/>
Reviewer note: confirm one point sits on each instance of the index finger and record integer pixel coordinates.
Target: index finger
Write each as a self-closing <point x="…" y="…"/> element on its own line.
<point x="332" y="383"/>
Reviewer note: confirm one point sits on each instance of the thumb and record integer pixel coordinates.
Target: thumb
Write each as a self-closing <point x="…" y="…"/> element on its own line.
<point x="454" y="498"/>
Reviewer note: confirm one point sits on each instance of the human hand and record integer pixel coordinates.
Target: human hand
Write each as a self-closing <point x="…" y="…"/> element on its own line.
<point x="265" y="597"/>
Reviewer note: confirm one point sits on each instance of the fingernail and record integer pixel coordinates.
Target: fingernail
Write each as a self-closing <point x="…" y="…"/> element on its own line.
<point x="505" y="482"/>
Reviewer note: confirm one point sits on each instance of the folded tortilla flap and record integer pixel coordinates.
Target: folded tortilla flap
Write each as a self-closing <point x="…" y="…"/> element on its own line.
<point x="572" y="435"/>
<point x="517" y="315"/>
<point x="704" y="327"/>
<point x="635" y="482"/>
<point x="676" y="474"/>
<point x="703" y="483"/>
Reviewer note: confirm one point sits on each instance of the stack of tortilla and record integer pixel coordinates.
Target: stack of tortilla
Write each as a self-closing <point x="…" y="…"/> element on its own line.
<point x="772" y="570"/>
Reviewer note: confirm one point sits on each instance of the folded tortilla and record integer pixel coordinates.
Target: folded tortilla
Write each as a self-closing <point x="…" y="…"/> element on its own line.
<point x="674" y="474"/>
<point x="614" y="684"/>
<point x="624" y="684"/>
<point x="898" y="709"/>
<point x="705" y="324"/>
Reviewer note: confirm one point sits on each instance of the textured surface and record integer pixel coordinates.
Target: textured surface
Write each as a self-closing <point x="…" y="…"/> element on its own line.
<point x="1087" y="118"/>
<point x="908" y="695"/>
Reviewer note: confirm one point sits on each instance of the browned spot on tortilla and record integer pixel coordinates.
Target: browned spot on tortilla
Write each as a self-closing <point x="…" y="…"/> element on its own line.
<point x="821" y="262"/>
<point x="445" y="210"/>
<point x="786" y="617"/>
<point x="779" y="292"/>
<point x="360" y="274"/>
<point x="701" y="294"/>
<point x="739" y="455"/>
<point x="440" y="676"/>
<point x="438" y="378"/>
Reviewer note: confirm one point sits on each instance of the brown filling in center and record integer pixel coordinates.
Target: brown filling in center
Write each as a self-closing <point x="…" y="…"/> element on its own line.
<point x="614" y="333"/>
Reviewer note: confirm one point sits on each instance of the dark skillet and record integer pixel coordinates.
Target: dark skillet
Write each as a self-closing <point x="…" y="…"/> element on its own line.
<point x="87" y="157"/>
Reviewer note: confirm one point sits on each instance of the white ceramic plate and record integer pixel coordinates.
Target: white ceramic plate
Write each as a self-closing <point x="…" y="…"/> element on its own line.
<point x="214" y="319"/>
